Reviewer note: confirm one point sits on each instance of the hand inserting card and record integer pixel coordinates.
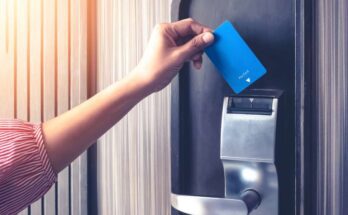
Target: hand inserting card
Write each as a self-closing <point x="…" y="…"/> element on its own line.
<point x="233" y="58"/>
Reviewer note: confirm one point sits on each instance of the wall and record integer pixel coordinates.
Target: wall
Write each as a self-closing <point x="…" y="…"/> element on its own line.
<point x="133" y="157"/>
<point x="43" y="72"/>
<point x="331" y="106"/>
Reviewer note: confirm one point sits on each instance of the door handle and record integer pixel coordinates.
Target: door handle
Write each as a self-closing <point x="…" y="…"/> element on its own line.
<point x="200" y="205"/>
<point x="247" y="152"/>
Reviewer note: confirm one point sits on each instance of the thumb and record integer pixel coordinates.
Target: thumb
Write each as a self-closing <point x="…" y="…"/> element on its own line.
<point x="196" y="44"/>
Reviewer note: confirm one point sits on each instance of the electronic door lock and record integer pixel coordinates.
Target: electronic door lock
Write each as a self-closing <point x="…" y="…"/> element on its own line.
<point x="247" y="148"/>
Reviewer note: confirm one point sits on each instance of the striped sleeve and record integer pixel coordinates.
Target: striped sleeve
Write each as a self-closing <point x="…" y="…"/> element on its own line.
<point x="26" y="173"/>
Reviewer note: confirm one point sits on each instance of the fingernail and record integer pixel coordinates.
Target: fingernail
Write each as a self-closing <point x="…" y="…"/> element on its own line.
<point x="208" y="37"/>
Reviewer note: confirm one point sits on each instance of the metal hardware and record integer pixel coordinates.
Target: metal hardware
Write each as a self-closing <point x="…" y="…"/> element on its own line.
<point x="248" y="136"/>
<point x="199" y="205"/>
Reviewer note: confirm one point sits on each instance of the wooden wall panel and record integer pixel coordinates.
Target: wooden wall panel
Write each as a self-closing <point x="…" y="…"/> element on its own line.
<point x="78" y="68"/>
<point x="63" y="94"/>
<point x="43" y="58"/>
<point x="22" y="85"/>
<point x="133" y="157"/>
<point x="36" y="80"/>
<point x="331" y="106"/>
<point x="35" y="50"/>
<point x="7" y="92"/>
<point x="22" y="62"/>
<point x="49" y="82"/>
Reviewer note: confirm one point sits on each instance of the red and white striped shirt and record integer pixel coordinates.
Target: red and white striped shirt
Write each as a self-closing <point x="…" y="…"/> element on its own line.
<point x="26" y="173"/>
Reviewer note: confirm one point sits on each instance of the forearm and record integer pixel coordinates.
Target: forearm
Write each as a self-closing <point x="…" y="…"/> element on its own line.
<point x="71" y="133"/>
<point x="68" y="135"/>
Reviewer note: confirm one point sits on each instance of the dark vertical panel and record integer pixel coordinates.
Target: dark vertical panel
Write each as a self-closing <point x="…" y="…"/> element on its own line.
<point x="305" y="158"/>
<point x="92" y="63"/>
<point x="299" y="78"/>
<point x="309" y="121"/>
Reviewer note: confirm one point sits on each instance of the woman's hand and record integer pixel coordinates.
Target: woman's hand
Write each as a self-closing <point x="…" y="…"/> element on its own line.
<point x="71" y="133"/>
<point x="170" y="46"/>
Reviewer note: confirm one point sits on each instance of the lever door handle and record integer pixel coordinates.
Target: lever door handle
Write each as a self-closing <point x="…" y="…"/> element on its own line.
<point x="199" y="205"/>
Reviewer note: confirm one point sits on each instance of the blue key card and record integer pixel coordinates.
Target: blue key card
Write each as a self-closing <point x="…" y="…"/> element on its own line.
<point x="234" y="59"/>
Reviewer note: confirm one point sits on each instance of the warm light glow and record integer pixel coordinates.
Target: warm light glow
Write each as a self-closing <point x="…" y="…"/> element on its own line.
<point x="43" y="73"/>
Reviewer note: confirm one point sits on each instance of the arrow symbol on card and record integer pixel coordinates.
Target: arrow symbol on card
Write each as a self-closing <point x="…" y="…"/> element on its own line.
<point x="248" y="80"/>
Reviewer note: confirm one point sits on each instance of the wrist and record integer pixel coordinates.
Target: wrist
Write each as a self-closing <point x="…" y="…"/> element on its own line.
<point x="139" y="79"/>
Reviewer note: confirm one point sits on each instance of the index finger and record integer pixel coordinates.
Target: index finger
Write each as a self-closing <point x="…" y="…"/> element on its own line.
<point x="187" y="27"/>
